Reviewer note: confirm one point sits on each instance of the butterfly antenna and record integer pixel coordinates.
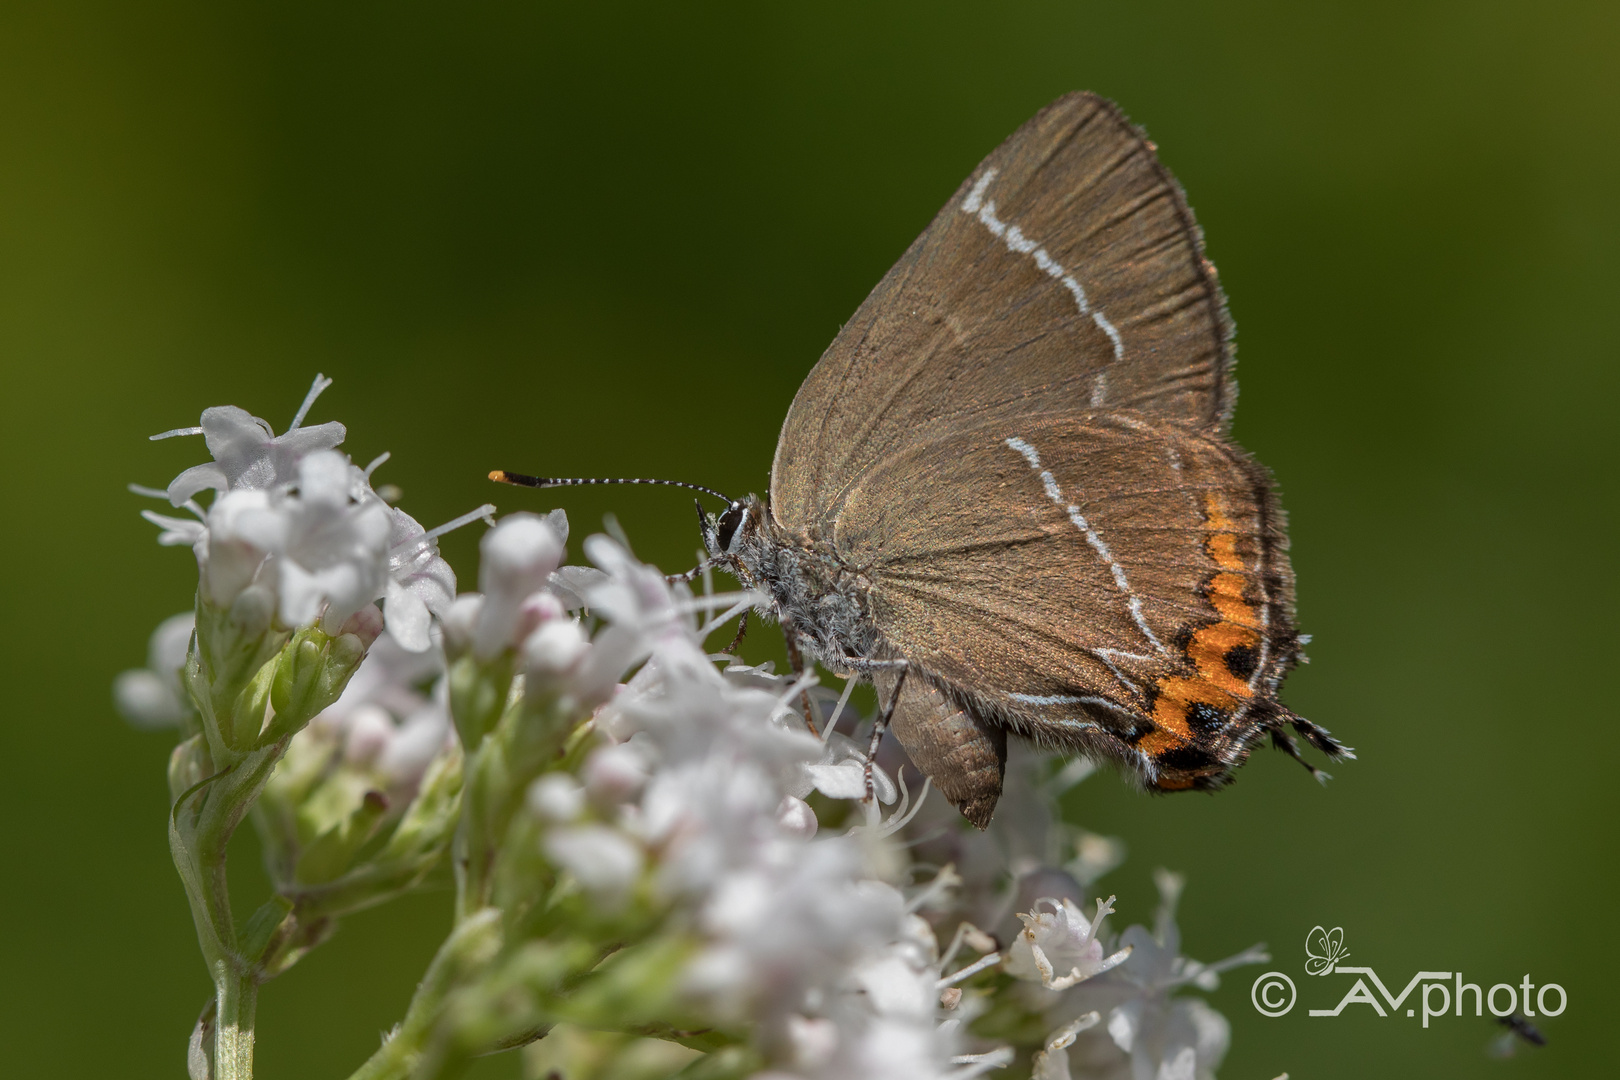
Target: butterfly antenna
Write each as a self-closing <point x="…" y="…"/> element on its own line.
<point x="501" y="476"/>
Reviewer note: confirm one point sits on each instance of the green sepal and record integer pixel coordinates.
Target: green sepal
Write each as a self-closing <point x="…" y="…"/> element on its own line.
<point x="262" y="926"/>
<point x="731" y="1063"/>
<point x="636" y="989"/>
<point x="246" y="717"/>
<point x="310" y="674"/>
<point x="189" y="765"/>
<point x="229" y="649"/>
<point x="334" y="850"/>
<point x="430" y="819"/>
<point x="478" y="695"/>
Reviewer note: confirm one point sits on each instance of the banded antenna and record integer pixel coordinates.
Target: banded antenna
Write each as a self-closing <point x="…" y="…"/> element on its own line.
<point x="501" y="476"/>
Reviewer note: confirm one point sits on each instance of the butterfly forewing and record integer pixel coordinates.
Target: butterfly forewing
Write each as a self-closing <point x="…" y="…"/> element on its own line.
<point x="1011" y="471"/>
<point x="1065" y="275"/>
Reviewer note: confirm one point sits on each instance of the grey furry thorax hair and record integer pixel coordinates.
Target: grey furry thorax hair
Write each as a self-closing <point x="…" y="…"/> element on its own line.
<point x="820" y="601"/>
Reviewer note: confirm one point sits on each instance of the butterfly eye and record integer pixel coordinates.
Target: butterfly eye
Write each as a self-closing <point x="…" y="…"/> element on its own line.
<point x="729" y="522"/>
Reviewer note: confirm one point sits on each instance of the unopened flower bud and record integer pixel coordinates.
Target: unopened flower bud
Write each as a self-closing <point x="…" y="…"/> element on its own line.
<point x="604" y="860"/>
<point x="252" y="610"/>
<point x="243" y="529"/>
<point x="152" y="696"/>
<point x="536" y="610"/>
<point x="146" y="700"/>
<point x="416" y="743"/>
<point x="556" y="797"/>
<point x="365" y="624"/>
<point x="614" y="774"/>
<point x="814" y="1039"/>
<point x="370" y="731"/>
<point x="460" y="622"/>
<point x="554" y="650"/>
<point x="519" y="555"/>
<point x="796" y="818"/>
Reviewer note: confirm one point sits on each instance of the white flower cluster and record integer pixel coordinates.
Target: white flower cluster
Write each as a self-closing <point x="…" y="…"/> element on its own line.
<point x="1109" y="1003"/>
<point x="1149" y="1032"/>
<point x="295" y="529"/>
<point x="692" y="797"/>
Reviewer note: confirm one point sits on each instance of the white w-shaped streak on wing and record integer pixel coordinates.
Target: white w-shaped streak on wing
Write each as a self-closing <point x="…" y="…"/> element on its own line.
<point x="1134" y="602"/>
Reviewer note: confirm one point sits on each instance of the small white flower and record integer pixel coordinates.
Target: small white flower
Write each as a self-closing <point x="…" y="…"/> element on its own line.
<point x="336" y="547"/>
<point x="1157" y="1034"/>
<point x="460" y="621"/>
<point x="369" y="731"/>
<point x="416" y="743"/>
<point x="420" y="583"/>
<point x="247" y="452"/>
<point x="1061" y="940"/>
<point x="152" y="697"/>
<point x="244" y="528"/>
<point x="604" y="860"/>
<point x="517" y="559"/>
<point x="614" y="774"/>
<point x="556" y="649"/>
<point x="556" y="798"/>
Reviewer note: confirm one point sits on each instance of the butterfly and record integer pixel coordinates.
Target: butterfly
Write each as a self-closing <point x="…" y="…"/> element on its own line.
<point x="1323" y="949"/>
<point x="1007" y="495"/>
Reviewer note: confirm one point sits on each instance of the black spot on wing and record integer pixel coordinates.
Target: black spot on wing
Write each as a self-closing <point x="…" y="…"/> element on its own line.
<point x="1185" y="758"/>
<point x="1242" y="660"/>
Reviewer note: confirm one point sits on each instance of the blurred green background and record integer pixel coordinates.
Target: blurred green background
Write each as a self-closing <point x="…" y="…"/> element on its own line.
<point x="611" y="240"/>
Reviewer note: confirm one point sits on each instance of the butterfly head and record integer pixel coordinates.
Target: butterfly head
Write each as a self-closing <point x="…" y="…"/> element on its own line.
<point x="725" y="534"/>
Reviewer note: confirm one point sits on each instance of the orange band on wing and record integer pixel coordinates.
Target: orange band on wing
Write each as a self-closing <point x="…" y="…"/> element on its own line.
<point x="1222" y="653"/>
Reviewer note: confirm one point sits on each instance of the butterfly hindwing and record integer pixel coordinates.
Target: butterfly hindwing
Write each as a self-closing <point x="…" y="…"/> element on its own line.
<point x="1109" y="584"/>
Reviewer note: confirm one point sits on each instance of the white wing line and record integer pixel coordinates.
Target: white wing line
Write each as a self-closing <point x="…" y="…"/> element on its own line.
<point x="1055" y="493"/>
<point x="1016" y="241"/>
<point x="1061" y="699"/>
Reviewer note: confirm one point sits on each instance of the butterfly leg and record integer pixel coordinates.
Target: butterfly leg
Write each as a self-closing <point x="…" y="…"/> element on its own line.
<point x="880" y="726"/>
<point x="742" y="628"/>
<point x="688" y="575"/>
<point x="796" y="663"/>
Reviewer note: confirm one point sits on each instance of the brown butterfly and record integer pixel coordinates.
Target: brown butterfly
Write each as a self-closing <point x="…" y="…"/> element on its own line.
<point x="1006" y="493"/>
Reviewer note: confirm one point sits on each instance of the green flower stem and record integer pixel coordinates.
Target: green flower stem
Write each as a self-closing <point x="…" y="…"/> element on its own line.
<point x="200" y="828"/>
<point x="524" y="741"/>
<point x="473" y="942"/>
<point x="239" y="671"/>
<point x="236" y="996"/>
